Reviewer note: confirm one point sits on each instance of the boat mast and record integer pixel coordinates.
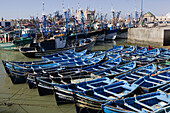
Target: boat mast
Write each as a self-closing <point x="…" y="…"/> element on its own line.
<point x="101" y="19"/>
<point x="43" y="27"/>
<point x="129" y="23"/>
<point x="75" y="27"/>
<point x="66" y="17"/>
<point x="117" y="17"/>
<point x="66" y="20"/>
<point x="141" y="13"/>
<point x="20" y="30"/>
<point x="113" y="14"/>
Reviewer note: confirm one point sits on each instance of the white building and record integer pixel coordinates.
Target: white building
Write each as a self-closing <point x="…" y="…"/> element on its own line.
<point x="163" y="18"/>
<point x="86" y="14"/>
<point x="6" y="23"/>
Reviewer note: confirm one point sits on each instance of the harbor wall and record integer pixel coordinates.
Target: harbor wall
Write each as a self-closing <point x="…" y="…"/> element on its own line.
<point x="160" y="35"/>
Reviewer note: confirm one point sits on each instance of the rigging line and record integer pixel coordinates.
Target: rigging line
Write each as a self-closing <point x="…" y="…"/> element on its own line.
<point x="3" y="110"/>
<point x="16" y="93"/>
<point x="50" y="106"/>
<point x="16" y="110"/>
<point x="23" y="109"/>
<point x="71" y="108"/>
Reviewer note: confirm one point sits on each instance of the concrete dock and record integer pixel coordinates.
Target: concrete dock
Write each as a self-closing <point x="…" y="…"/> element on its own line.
<point x="159" y="35"/>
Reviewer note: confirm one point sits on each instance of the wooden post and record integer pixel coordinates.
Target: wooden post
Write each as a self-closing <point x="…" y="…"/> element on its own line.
<point x="8" y="38"/>
<point x="5" y="39"/>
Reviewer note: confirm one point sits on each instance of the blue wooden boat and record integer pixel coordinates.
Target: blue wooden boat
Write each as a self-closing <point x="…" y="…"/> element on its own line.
<point x="163" y="110"/>
<point x="59" y="54"/>
<point x="31" y="68"/>
<point x="135" y="54"/>
<point x="76" y="72"/>
<point x="165" y="88"/>
<point x="20" y="72"/>
<point x="64" y="93"/>
<point x="111" y="73"/>
<point x="64" y="55"/>
<point x="163" y="56"/>
<point x="145" y="60"/>
<point x="71" y="60"/>
<point x="112" y="61"/>
<point x="70" y="73"/>
<point x="152" y="53"/>
<point x="43" y="62"/>
<point x="67" y="63"/>
<point x="142" y="56"/>
<point x="45" y="84"/>
<point x="91" y="101"/>
<point x="115" y="49"/>
<point x="163" y="63"/>
<point x="17" y="77"/>
<point x="139" y="51"/>
<point x="137" y="73"/>
<point x="127" y="50"/>
<point x="78" y="59"/>
<point x="155" y="80"/>
<point x="85" y="62"/>
<point x="146" y="103"/>
<point x="49" y="47"/>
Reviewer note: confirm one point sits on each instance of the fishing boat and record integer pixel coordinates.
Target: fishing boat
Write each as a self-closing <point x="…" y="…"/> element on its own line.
<point x="152" y="53"/>
<point x="113" y="72"/>
<point x="165" y="88"/>
<point x="112" y="61"/>
<point x="37" y="69"/>
<point x="111" y="34"/>
<point x="122" y="33"/>
<point x="144" y="61"/>
<point x="17" y="77"/>
<point x="146" y="103"/>
<point x="58" y="44"/>
<point x="137" y="73"/>
<point x="142" y="56"/>
<point x="30" y="68"/>
<point x="136" y="54"/>
<point x="163" y="63"/>
<point x="64" y="60"/>
<point x="64" y="93"/>
<point x="127" y="50"/>
<point x="65" y="55"/>
<point x="163" y="110"/>
<point x="115" y="49"/>
<point x="46" y="84"/>
<point x="86" y="62"/>
<point x="101" y="37"/>
<point x="139" y="51"/>
<point x="57" y="66"/>
<point x="66" y="73"/>
<point x="155" y="80"/>
<point x="73" y="73"/>
<point x="92" y="100"/>
<point x="164" y="56"/>
<point x="22" y="41"/>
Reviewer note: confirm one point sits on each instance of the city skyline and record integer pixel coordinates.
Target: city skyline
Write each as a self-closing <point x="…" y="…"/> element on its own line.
<point x="26" y="8"/>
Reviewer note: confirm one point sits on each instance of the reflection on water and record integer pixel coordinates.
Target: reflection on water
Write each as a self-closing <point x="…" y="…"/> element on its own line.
<point x="26" y="100"/>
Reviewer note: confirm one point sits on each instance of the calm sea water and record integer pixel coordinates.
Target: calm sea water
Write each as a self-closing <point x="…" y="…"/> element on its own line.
<point x="21" y="99"/>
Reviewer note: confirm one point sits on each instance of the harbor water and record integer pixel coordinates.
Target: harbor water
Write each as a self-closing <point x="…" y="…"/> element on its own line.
<point x="20" y="99"/>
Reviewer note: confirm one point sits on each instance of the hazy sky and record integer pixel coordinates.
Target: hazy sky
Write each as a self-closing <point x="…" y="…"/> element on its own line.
<point x="26" y="8"/>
